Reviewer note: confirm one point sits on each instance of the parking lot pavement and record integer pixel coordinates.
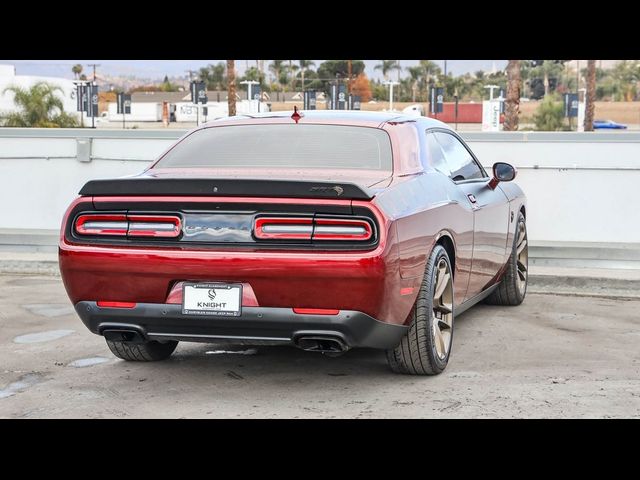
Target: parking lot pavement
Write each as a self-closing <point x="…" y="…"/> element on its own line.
<point x="554" y="356"/>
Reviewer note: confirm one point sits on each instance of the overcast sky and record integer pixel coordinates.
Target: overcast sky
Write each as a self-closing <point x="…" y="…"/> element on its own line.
<point x="157" y="69"/>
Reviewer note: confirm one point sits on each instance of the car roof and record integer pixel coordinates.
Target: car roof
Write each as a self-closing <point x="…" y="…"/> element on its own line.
<point x="341" y="117"/>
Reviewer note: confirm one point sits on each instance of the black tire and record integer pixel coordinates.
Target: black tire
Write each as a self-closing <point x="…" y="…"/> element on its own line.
<point x="510" y="292"/>
<point x="417" y="354"/>
<point x="142" y="352"/>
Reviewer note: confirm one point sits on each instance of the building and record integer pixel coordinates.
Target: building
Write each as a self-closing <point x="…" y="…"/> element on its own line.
<point x="9" y="78"/>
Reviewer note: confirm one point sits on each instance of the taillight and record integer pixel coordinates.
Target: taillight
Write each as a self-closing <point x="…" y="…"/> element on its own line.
<point x="339" y="229"/>
<point x="102" y="225"/>
<point x="129" y="225"/>
<point x="283" y="228"/>
<point x="153" y="226"/>
<point x="303" y="228"/>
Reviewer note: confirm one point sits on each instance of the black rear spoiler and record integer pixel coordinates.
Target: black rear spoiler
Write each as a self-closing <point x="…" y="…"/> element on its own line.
<point x="137" y="186"/>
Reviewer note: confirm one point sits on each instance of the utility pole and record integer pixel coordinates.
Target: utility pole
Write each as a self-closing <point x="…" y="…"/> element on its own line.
<point x="94" y="65"/>
<point x="349" y="72"/>
<point x="391" y="84"/>
<point x="445" y="68"/>
<point x="190" y="72"/>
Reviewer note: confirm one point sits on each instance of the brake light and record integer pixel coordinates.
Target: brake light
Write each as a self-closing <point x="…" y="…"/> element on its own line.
<point x="102" y="225"/>
<point x="302" y="228"/>
<point x="129" y="225"/>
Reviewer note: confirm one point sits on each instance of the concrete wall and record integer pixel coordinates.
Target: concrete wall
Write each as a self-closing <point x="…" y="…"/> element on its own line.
<point x="581" y="186"/>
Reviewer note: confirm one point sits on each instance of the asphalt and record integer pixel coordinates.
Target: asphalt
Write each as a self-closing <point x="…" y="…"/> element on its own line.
<point x="554" y="356"/>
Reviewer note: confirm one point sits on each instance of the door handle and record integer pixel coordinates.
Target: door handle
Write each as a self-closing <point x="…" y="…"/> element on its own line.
<point x="472" y="198"/>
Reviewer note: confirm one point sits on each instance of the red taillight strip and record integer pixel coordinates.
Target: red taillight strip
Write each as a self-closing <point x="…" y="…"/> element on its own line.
<point x="341" y="229"/>
<point x="129" y="225"/>
<point x="266" y="228"/>
<point x="301" y="228"/>
<point x="154" y="226"/>
<point x="100" y="224"/>
<point x="107" y="304"/>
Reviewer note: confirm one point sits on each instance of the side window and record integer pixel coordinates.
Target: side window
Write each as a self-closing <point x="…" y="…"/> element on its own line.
<point x="459" y="161"/>
<point x="436" y="155"/>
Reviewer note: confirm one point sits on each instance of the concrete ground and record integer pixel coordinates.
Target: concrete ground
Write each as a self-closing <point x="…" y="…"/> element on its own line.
<point x="554" y="356"/>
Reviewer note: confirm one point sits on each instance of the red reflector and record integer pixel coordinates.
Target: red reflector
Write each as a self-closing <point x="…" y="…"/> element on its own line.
<point x="406" y="291"/>
<point x="116" y="304"/>
<point x="316" y="311"/>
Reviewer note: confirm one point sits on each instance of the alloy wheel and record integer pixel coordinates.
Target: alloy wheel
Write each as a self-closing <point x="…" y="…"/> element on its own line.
<point x="443" y="309"/>
<point x="522" y="252"/>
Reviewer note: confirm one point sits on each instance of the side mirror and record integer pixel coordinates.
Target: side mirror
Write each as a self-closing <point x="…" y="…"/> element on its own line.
<point x="502" y="172"/>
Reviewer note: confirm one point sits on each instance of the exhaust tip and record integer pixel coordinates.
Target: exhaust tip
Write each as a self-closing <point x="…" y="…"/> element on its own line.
<point x="131" y="336"/>
<point x="321" y="344"/>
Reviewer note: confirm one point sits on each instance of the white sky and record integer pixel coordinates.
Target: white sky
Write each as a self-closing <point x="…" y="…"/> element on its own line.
<point x="157" y="69"/>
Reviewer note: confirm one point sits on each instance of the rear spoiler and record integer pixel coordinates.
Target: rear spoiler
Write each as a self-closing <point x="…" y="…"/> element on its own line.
<point x="223" y="187"/>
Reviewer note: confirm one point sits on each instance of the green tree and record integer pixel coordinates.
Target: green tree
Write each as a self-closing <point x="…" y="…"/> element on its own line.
<point x="550" y="114"/>
<point x="277" y="68"/>
<point x="214" y="76"/>
<point x="386" y="66"/>
<point x="331" y="69"/>
<point x="40" y="107"/>
<point x="77" y="70"/>
<point x="546" y="70"/>
<point x="304" y="66"/>
<point x="626" y="73"/>
<point x="167" y="86"/>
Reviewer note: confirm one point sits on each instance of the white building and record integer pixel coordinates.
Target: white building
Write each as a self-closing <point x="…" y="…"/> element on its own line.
<point x="9" y="78"/>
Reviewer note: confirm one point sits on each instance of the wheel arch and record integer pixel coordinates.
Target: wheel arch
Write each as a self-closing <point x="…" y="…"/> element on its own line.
<point x="445" y="239"/>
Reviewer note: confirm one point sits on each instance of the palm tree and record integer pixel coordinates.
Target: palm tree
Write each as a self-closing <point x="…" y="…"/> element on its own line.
<point x="77" y="70"/>
<point x="231" y="87"/>
<point x="40" y="106"/>
<point x="548" y="68"/>
<point x="304" y="65"/>
<point x="590" y="107"/>
<point x="430" y="68"/>
<point x="415" y="74"/>
<point x="276" y="68"/>
<point x="386" y="66"/>
<point x="512" y="104"/>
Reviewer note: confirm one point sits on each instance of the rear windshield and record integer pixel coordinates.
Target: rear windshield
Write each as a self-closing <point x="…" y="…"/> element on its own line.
<point x="290" y="146"/>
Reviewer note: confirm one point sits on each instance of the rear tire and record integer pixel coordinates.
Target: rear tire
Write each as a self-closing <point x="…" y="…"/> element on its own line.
<point x="142" y="352"/>
<point x="513" y="287"/>
<point x="425" y="348"/>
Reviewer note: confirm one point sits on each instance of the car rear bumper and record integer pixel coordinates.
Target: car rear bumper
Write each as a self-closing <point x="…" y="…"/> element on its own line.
<point x="158" y="321"/>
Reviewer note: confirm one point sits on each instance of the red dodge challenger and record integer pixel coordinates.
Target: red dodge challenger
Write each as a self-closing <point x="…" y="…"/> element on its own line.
<point x="323" y="230"/>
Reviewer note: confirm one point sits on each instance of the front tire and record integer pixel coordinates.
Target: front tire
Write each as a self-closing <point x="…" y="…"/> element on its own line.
<point x="142" y="352"/>
<point x="426" y="347"/>
<point x="513" y="287"/>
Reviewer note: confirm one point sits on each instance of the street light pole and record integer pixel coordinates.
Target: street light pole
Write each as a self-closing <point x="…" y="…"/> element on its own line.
<point x="391" y="84"/>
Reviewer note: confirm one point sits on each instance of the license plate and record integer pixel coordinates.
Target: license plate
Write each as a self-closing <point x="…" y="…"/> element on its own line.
<point x="223" y="299"/>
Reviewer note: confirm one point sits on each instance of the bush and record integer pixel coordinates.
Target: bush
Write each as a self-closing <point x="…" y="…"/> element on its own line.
<point x="550" y="115"/>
